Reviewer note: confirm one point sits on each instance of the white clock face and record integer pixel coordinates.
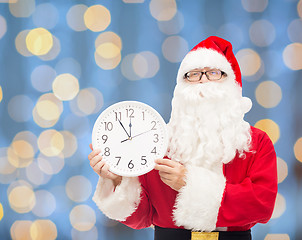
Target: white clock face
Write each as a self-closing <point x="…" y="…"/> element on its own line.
<point x="131" y="135"/>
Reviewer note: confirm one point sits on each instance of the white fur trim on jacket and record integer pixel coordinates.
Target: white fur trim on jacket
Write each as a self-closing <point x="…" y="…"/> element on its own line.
<point x="198" y="202"/>
<point x="120" y="203"/>
<point x="204" y="57"/>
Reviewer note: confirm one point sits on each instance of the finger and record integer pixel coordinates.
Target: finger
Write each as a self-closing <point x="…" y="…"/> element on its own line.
<point x="94" y="153"/>
<point x="166" y="181"/>
<point x="90" y="145"/>
<point x="98" y="167"/>
<point x="106" y="173"/>
<point x="166" y="162"/>
<point x="163" y="168"/>
<point x="95" y="160"/>
<point x="165" y="176"/>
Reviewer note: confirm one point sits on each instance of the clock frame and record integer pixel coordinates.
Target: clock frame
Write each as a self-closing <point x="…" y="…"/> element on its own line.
<point x="131" y="135"/>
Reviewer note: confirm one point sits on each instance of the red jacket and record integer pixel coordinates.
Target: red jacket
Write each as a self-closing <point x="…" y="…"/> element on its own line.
<point x="242" y="196"/>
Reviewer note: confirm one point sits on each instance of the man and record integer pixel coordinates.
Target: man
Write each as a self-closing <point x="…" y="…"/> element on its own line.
<point x="219" y="178"/>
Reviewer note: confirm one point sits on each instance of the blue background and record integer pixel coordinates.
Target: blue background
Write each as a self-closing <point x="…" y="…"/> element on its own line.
<point x="139" y="32"/>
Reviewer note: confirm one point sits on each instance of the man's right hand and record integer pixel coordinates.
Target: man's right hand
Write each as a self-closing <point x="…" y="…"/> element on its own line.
<point x="101" y="168"/>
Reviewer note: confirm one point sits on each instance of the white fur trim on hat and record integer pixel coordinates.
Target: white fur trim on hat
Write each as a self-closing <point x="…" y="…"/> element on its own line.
<point x="198" y="202"/>
<point x="120" y="203"/>
<point x="204" y="57"/>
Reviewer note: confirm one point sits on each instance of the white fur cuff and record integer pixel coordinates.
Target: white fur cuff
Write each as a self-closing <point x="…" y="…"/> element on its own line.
<point x="120" y="203"/>
<point x="198" y="202"/>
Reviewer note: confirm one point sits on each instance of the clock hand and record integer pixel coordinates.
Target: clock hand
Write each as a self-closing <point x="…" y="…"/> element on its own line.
<point x="135" y="136"/>
<point x="130" y="125"/>
<point x="123" y="128"/>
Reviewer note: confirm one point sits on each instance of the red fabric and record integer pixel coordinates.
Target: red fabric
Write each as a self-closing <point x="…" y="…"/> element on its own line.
<point x="249" y="196"/>
<point x="225" y="48"/>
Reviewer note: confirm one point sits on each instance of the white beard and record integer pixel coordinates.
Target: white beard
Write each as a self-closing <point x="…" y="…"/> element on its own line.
<point x="207" y="126"/>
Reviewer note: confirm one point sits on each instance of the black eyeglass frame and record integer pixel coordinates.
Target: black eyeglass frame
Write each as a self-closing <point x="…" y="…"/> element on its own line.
<point x="205" y="73"/>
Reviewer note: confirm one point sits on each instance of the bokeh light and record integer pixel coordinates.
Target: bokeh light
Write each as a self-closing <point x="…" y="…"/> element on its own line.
<point x="46" y="15"/>
<point x="108" y="50"/>
<point x="23" y="149"/>
<point x="254" y="5"/>
<point x="51" y="164"/>
<point x="97" y="18"/>
<point x="146" y="64"/>
<point x="270" y="127"/>
<point x="45" y="203"/>
<point x="65" y="87"/>
<point x="20" y="108"/>
<point x="29" y="137"/>
<point x="78" y="188"/>
<point x="20" y="43"/>
<point x="294" y="32"/>
<point x="82" y="217"/>
<point x="163" y="10"/>
<point x="268" y="94"/>
<point x="262" y="33"/>
<point x="22" y="8"/>
<point x="43" y="229"/>
<point x="53" y="52"/>
<point x="48" y="110"/>
<point x="292" y="56"/>
<point x="1" y="212"/>
<point x="173" y="26"/>
<point x="5" y="166"/>
<point x="280" y="206"/>
<point x="299" y="8"/>
<point x="277" y="236"/>
<point x="20" y="230"/>
<point x="51" y="142"/>
<point x="108" y="47"/>
<point x="39" y="41"/>
<point x="127" y="68"/>
<point x="16" y="160"/>
<point x="3" y="26"/>
<point x="1" y="94"/>
<point x="282" y="170"/>
<point x="75" y="17"/>
<point x="42" y="77"/>
<point x="46" y="118"/>
<point x="35" y="175"/>
<point x="92" y="234"/>
<point x="108" y="37"/>
<point x="249" y="61"/>
<point x="88" y="101"/>
<point x="169" y="48"/>
<point x="298" y="149"/>
<point x="70" y="144"/>
<point x="22" y="199"/>
<point x="105" y="63"/>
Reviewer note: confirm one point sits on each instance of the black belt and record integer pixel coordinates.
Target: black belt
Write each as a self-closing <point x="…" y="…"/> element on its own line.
<point x="184" y="234"/>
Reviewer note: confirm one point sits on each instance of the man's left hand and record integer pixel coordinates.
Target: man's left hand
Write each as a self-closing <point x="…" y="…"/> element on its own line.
<point x="171" y="173"/>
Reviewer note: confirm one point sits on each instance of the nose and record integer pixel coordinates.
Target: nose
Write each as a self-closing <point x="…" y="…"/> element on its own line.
<point x="204" y="79"/>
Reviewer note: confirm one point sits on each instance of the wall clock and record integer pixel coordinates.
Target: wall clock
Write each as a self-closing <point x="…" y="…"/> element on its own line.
<point x="131" y="135"/>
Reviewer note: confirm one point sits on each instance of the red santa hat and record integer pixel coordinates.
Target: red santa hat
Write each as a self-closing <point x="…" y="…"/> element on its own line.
<point x="213" y="52"/>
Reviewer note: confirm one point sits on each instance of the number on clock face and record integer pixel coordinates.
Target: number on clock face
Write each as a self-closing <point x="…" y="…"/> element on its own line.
<point x="131" y="135"/>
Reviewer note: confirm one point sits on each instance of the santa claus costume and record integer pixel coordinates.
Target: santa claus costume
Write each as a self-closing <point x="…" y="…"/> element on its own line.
<point x="231" y="179"/>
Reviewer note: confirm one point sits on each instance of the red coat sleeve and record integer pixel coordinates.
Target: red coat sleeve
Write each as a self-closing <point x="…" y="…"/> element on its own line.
<point x="250" y="198"/>
<point x="142" y="217"/>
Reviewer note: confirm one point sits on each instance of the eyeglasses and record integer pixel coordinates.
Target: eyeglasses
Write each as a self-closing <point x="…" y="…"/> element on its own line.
<point x="195" y="76"/>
